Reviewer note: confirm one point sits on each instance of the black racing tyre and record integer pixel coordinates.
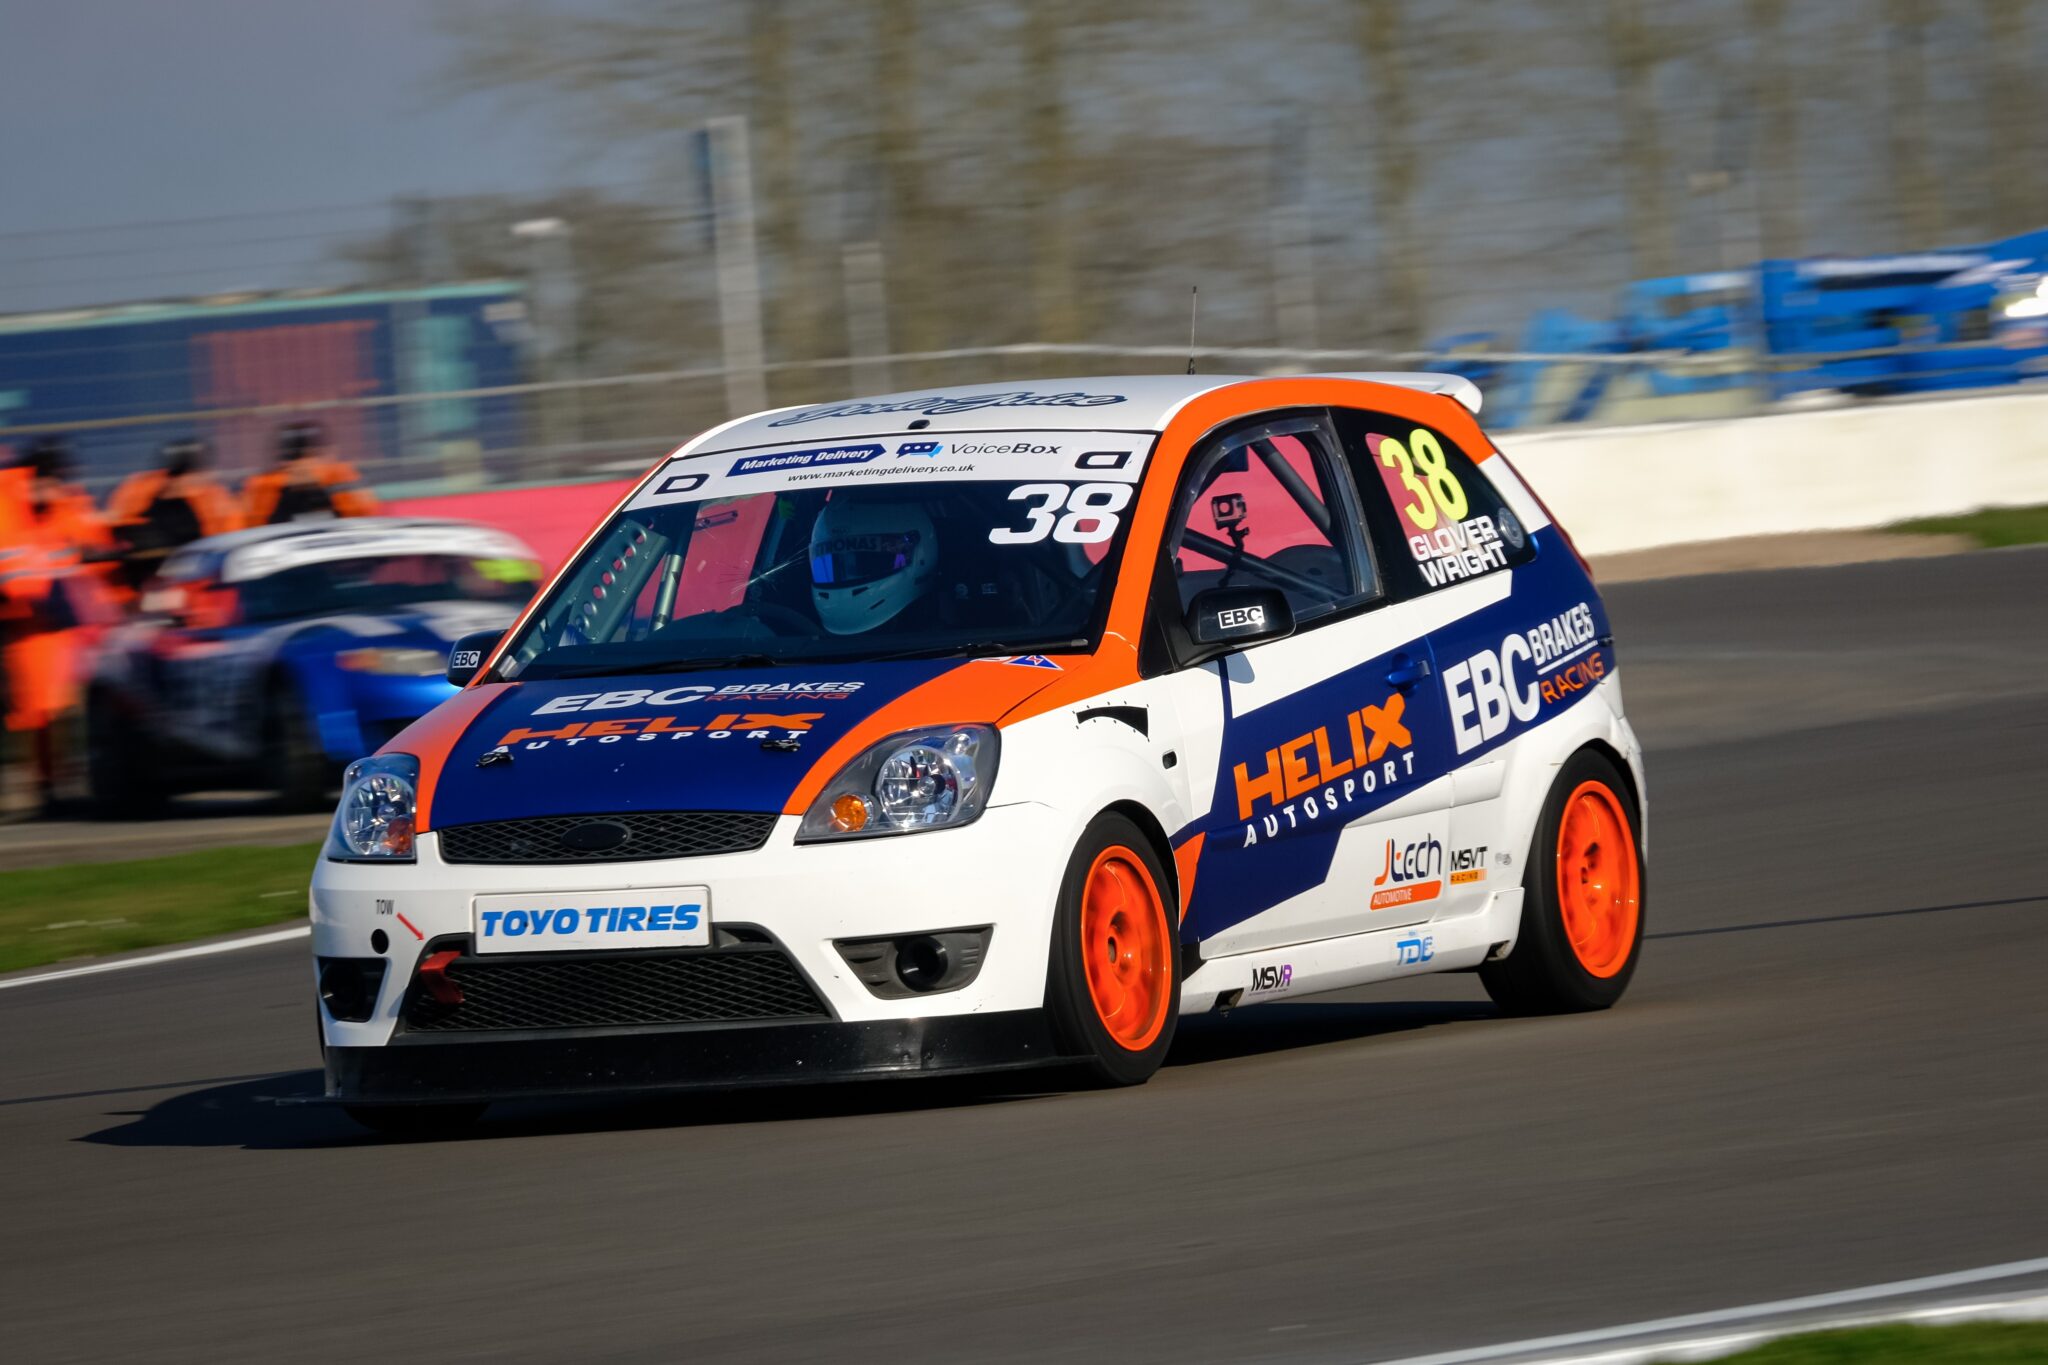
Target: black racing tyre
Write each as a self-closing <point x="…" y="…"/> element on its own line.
<point x="120" y="769"/>
<point x="1113" y="978"/>
<point x="292" y="756"/>
<point x="416" y="1120"/>
<point x="1585" y="891"/>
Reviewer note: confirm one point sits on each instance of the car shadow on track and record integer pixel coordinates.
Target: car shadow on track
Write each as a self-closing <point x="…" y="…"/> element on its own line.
<point x="1251" y="1032"/>
<point x="246" y="1113"/>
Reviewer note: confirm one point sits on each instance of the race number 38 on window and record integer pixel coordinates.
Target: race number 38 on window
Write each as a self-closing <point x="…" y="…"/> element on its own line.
<point x="1450" y="521"/>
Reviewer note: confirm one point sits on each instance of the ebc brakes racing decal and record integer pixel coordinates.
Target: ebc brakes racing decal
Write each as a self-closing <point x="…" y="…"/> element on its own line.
<point x="1515" y="665"/>
<point x="700" y="741"/>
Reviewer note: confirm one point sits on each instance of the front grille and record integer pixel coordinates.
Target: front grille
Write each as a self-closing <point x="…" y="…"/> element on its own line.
<point x="741" y="984"/>
<point x="649" y="834"/>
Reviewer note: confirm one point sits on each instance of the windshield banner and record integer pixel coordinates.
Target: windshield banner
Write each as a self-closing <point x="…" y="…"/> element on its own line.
<point x="998" y="457"/>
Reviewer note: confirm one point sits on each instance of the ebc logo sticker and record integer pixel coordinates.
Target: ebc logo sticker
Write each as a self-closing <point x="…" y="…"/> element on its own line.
<point x="1540" y="667"/>
<point x="1326" y="774"/>
<point x="1241" y="618"/>
<point x="666" y="698"/>
<point x="466" y="658"/>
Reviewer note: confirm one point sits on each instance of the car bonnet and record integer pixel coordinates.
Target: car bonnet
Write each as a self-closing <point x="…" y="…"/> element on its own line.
<point x="733" y="740"/>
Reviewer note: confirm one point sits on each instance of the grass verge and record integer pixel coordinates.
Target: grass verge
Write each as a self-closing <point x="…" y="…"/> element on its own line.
<point x="48" y="914"/>
<point x="1991" y="527"/>
<point x="1967" y="1343"/>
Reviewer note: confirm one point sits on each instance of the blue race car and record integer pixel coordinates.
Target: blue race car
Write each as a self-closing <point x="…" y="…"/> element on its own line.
<point x="272" y="657"/>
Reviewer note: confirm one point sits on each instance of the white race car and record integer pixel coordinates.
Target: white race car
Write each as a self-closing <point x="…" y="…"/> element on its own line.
<point x="993" y="728"/>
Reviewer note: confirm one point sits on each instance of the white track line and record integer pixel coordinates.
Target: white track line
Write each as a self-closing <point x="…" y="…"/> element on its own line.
<point x="150" y="960"/>
<point x="1571" y="1340"/>
<point x="1666" y="1349"/>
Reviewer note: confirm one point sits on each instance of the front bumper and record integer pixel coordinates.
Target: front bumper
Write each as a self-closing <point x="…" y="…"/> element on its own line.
<point x="1002" y="871"/>
<point x="436" y="1070"/>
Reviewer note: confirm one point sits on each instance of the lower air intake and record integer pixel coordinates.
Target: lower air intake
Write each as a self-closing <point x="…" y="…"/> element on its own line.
<point x="747" y="983"/>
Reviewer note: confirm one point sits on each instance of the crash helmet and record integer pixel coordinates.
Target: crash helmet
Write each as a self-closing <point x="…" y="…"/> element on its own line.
<point x="297" y="440"/>
<point x="869" y="560"/>
<point x="187" y="455"/>
<point x="49" y="457"/>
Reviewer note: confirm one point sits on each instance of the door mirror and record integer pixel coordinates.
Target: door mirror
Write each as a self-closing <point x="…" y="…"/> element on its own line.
<point x="466" y="658"/>
<point x="1224" y="619"/>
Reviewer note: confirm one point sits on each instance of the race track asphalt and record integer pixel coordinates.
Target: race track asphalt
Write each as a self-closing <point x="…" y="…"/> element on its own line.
<point x="1830" y="1072"/>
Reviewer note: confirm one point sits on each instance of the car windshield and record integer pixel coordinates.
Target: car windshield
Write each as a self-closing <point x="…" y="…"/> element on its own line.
<point x="379" y="583"/>
<point x="974" y="544"/>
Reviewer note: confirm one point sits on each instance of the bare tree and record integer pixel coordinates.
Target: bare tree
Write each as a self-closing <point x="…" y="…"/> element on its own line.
<point x="899" y="163"/>
<point x="1775" y="101"/>
<point x="1915" y="196"/>
<point x="1633" y="52"/>
<point x="1378" y="25"/>
<point x="2013" y="110"/>
<point x="1050" y="169"/>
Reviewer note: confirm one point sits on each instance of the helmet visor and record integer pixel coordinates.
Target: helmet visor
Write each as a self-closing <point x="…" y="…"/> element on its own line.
<point x="848" y="561"/>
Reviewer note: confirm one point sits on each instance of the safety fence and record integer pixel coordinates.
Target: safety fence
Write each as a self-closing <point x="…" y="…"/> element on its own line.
<point x="458" y="440"/>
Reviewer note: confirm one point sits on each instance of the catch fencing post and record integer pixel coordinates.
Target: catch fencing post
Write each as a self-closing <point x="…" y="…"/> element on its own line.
<point x="738" y="268"/>
<point x="867" y="316"/>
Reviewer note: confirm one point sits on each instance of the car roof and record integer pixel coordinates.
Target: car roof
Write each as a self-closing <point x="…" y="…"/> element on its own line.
<point x="260" y="551"/>
<point x="1101" y="403"/>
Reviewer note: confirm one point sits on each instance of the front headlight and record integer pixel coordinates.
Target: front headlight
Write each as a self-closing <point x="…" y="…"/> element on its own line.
<point x="921" y="779"/>
<point x="399" y="663"/>
<point x="379" y="798"/>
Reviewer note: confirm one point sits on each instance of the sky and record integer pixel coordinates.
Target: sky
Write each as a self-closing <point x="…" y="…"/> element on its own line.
<point x="117" y="113"/>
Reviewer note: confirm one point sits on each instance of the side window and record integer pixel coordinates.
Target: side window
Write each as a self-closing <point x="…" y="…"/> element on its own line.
<point x="1266" y="507"/>
<point x="1439" y="518"/>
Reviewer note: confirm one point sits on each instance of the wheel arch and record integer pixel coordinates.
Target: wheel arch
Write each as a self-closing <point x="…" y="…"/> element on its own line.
<point x="1620" y="761"/>
<point x="1155" y="834"/>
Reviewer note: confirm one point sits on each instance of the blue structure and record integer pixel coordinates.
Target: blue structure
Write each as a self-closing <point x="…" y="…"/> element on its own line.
<point x="137" y="361"/>
<point x="1959" y="318"/>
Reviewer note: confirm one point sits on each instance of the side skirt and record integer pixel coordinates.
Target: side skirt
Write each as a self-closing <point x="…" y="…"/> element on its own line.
<point x="1332" y="964"/>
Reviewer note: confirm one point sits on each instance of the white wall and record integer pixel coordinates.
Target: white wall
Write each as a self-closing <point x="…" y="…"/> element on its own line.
<point x="1629" y="488"/>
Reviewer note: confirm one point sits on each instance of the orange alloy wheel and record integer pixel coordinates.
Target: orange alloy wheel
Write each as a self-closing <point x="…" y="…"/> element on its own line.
<point x="1124" y="947"/>
<point x="1599" y="885"/>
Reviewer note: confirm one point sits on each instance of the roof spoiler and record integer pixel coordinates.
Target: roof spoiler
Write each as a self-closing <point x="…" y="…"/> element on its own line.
<point x="1455" y="386"/>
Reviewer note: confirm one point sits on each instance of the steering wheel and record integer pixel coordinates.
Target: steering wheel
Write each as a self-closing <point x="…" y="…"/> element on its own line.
<point x="779" y="619"/>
